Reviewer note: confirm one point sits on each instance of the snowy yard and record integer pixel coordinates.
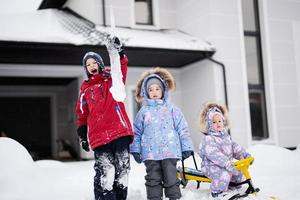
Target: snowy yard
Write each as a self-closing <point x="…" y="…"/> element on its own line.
<point x="276" y="171"/>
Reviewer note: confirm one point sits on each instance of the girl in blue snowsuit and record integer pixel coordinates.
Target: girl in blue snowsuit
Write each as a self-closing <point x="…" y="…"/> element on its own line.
<point x="161" y="135"/>
<point x="218" y="151"/>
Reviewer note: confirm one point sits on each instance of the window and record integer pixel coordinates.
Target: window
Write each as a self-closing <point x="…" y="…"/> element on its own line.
<point x="143" y="12"/>
<point x="256" y="88"/>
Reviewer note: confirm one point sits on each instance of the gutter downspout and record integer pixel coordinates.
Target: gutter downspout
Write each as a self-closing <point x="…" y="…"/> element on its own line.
<point x="103" y="13"/>
<point x="224" y="77"/>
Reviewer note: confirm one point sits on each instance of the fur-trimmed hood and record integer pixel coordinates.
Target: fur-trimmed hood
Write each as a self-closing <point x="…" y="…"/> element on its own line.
<point x="163" y="74"/>
<point x="203" y="121"/>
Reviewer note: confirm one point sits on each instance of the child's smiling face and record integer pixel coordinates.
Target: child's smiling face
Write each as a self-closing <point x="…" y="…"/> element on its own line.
<point x="92" y="66"/>
<point x="217" y="123"/>
<point x="154" y="91"/>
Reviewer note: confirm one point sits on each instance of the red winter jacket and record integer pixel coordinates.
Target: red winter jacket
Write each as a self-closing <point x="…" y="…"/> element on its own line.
<point x="106" y="119"/>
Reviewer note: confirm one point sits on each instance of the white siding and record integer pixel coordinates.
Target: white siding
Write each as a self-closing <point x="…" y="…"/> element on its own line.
<point x="283" y="21"/>
<point x="220" y="23"/>
<point x="90" y="9"/>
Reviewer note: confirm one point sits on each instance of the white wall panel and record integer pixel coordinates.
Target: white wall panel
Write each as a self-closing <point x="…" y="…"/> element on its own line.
<point x="225" y="7"/>
<point x="286" y="94"/>
<point x="90" y="9"/>
<point x="283" y="52"/>
<point x="288" y="116"/>
<point x="225" y="24"/>
<point x="284" y="10"/>
<point x="286" y="134"/>
<point x="227" y="48"/>
<point x="285" y="73"/>
<point x="281" y="30"/>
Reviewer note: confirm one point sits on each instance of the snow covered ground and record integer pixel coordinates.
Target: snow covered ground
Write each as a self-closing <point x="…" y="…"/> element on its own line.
<point x="276" y="171"/>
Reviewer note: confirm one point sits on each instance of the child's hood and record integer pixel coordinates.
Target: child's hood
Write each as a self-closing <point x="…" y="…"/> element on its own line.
<point x="162" y="74"/>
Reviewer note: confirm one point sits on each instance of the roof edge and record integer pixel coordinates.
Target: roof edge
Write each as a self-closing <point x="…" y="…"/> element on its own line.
<point x="69" y="54"/>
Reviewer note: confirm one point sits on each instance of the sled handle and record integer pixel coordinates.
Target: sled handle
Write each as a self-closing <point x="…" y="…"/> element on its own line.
<point x="195" y="163"/>
<point x="198" y="182"/>
<point x="183" y="174"/>
<point x="194" y="160"/>
<point x="243" y="165"/>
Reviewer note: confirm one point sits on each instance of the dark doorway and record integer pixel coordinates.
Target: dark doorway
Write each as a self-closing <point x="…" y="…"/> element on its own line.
<point x="28" y="121"/>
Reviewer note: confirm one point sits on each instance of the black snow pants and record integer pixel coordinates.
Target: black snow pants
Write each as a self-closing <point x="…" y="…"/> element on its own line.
<point x="112" y="168"/>
<point x="162" y="174"/>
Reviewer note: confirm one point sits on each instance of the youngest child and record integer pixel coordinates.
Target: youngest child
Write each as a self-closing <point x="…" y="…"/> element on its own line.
<point x="218" y="151"/>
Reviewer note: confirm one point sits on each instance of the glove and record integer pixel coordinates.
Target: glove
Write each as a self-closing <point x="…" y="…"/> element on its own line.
<point x="115" y="44"/>
<point x="230" y="168"/>
<point x="235" y="172"/>
<point x="137" y="157"/>
<point x="85" y="145"/>
<point x="106" y="73"/>
<point x="82" y="134"/>
<point x="186" y="154"/>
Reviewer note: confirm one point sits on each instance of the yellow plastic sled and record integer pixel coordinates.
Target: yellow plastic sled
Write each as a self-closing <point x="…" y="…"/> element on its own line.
<point x="190" y="174"/>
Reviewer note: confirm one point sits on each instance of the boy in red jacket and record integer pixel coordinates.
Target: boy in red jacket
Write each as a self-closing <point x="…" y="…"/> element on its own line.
<point x="104" y="125"/>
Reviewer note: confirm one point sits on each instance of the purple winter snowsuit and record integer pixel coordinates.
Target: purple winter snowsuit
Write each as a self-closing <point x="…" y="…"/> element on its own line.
<point x="217" y="151"/>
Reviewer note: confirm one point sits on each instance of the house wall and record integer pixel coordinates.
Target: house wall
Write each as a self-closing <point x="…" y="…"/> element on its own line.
<point x="198" y="84"/>
<point x="219" y="23"/>
<point x="123" y="12"/>
<point x="90" y="9"/>
<point x="283" y="49"/>
<point x="296" y="31"/>
<point x="167" y="14"/>
<point x="57" y="96"/>
<point x="71" y="123"/>
<point x="63" y="98"/>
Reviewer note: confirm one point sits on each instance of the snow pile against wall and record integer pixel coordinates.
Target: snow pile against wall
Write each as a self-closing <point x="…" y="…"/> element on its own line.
<point x="19" y="161"/>
<point x="275" y="171"/>
<point x="21" y="177"/>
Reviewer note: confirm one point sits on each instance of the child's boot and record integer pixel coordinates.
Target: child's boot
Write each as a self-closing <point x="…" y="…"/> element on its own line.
<point x="223" y="195"/>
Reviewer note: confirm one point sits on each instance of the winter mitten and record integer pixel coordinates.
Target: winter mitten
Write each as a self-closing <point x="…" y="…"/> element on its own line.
<point x="186" y="154"/>
<point x="114" y="44"/>
<point x="120" y="47"/>
<point x="106" y="73"/>
<point x="85" y="145"/>
<point x="230" y="168"/>
<point x="82" y="134"/>
<point x="137" y="157"/>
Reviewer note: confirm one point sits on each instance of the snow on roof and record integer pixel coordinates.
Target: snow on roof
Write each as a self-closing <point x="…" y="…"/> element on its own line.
<point x="15" y="6"/>
<point x="165" y="39"/>
<point x="57" y="26"/>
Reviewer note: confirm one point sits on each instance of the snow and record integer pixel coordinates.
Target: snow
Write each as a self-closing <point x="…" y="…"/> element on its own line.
<point x="17" y="6"/>
<point x="276" y="171"/>
<point x="56" y="26"/>
<point x="118" y="88"/>
<point x="37" y="26"/>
